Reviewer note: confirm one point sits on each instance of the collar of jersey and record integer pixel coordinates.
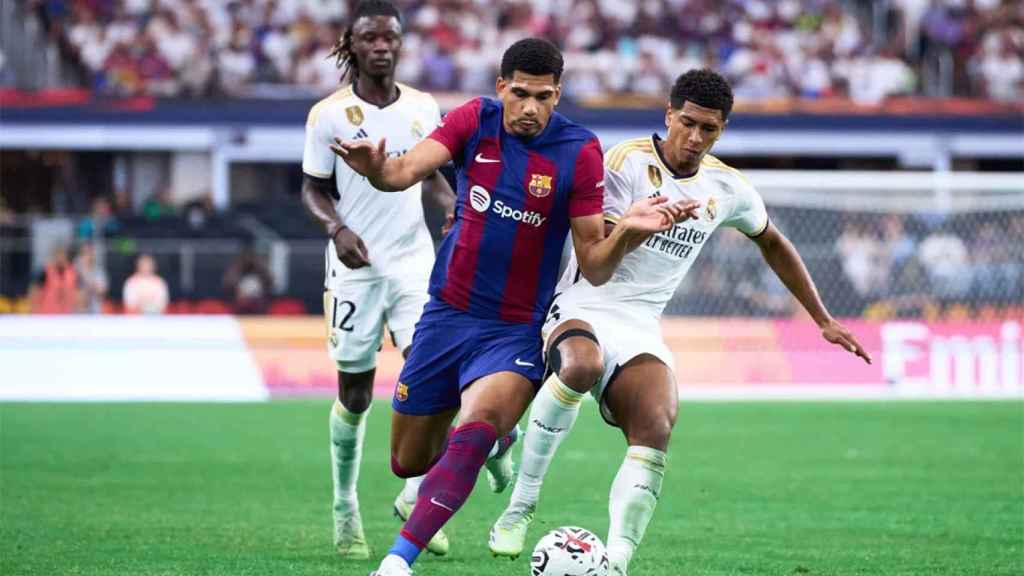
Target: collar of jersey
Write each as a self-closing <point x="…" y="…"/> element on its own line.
<point x="401" y="95"/>
<point x="664" y="164"/>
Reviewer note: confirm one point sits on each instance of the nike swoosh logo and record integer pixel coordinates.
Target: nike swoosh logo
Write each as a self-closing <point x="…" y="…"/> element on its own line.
<point x="480" y="158"/>
<point x="436" y="503"/>
<point x="522" y="363"/>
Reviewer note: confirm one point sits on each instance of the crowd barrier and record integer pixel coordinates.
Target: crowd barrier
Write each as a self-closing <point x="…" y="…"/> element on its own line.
<point x="224" y="358"/>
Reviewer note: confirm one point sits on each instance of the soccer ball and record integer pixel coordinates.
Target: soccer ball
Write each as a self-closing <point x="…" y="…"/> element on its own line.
<point x="569" y="551"/>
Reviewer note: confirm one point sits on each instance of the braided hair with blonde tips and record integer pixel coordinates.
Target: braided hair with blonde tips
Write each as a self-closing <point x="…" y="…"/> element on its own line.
<point x="342" y="51"/>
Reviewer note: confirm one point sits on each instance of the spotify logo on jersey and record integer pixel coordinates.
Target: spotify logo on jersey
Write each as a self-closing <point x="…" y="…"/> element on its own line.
<point x="479" y="198"/>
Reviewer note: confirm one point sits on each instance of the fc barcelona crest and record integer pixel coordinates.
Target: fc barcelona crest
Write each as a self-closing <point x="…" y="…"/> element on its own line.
<point x="355" y="115"/>
<point x="712" y="210"/>
<point x="401" y="392"/>
<point x="540" y="185"/>
<point x="655" y="175"/>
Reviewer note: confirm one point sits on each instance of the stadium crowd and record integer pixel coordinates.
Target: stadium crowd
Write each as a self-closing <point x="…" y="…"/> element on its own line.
<point x="865" y="51"/>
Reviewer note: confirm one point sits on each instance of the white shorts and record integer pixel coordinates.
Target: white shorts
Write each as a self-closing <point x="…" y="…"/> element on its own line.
<point x="623" y="333"/>
<point x="356" y="310"/>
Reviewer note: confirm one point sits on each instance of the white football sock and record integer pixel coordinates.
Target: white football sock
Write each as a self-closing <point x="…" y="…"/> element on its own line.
<point x="633" y="497"/>
<point x="347" y="431"/>
<point x="551" y="418"/>
<point x="412" y="489"/>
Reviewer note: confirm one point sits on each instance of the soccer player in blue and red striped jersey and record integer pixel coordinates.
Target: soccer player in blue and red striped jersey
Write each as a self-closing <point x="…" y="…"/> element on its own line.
<point x="526" y="176"/>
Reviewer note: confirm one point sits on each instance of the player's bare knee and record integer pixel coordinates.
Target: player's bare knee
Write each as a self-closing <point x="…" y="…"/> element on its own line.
<point x="575" y="356"/>
<point x="355" y="390"/>
<point x="491" y="417"/>
<point x="581" y="374"/>
<point x="356" y="400"/>
<point x="407" y="467"/>
<point x="653" y="431"/>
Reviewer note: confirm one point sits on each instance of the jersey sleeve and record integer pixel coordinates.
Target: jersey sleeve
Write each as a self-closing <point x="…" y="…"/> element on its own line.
<point x="588" y="183"/>
<point x="750" y="215"/>
<point x="317" y="157"/>
<point x="457" y="127"/>
<point x="618" y="195"/>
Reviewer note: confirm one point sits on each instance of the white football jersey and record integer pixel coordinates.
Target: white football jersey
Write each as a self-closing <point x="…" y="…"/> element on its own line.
<point x="390" y="223"/>
<point x="649" y="275"/>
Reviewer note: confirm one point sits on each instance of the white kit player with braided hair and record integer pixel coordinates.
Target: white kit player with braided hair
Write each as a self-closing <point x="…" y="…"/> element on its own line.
<point x="606" y="340"/>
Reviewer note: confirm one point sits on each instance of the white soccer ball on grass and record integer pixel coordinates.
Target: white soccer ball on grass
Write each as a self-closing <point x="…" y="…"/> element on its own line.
<point x="569" y="551"/>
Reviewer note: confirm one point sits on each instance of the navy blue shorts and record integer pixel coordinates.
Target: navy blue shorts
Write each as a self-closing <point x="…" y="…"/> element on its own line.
<point x="451" y="349"/>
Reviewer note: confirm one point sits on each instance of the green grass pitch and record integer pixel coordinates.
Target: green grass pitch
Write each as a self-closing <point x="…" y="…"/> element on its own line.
<point x="774" y="488"/>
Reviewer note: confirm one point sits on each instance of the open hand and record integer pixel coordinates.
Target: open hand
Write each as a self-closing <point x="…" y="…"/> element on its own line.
<point x="653" y="215"/>
<point x="350" y="249"/>
<point x="837" y="334"/>
<point x="361" y="155"/>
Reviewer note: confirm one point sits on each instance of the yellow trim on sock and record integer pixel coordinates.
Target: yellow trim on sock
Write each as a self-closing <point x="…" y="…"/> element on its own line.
<point x="649" y="458"/>
<point x="348" y="417"/>
<point x="563" y="394"/>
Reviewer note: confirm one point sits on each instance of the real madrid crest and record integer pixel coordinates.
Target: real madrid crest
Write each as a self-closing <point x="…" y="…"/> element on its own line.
<point x="355" y="115"/>
<point x="417" y="130"/>
<point x="540" y="185"/>
<point x="712" y="209"/>
<point x="655" y="175"/>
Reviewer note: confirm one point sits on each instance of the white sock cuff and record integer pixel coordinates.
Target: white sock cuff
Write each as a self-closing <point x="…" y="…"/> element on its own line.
<point x="562" y="394"/>
<point x="338" y="411"/>
<point x="649" y="458"/>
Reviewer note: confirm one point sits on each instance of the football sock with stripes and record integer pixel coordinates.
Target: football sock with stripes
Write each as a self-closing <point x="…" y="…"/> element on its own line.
<point x="347" y="432"/>
<point x="446" y="487"/>
<point x="552" y="416"/>
<point x="634" y="496"/>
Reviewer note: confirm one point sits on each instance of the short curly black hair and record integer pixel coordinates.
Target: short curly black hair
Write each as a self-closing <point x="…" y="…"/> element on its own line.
<point x="533" y="56"/>
<point x="705" y="88"/>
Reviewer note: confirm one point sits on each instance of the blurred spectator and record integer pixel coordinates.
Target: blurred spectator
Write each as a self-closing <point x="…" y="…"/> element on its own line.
<point x="996" y="274"/>
<point x="145" y="292"/>
<point x="770" y="49"/>
<point x="158" y="206"/>
<point x="99" y="223"/>
<point x="56" y="288"/>
<point x="898" y="245"/>
<point x="861" y="255"/>
<point x="248" y="283"/>
<point x="92" y="280"/>
<point x="944" y="257"/>
<point x="199" y="211"/>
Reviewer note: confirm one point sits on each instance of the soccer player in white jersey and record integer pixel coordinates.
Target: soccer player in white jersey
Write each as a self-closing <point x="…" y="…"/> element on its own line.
<point x="606" y="340"/>
<point x="380" y="253"/>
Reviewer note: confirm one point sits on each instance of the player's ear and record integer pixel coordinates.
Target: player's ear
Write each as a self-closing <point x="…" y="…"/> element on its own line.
<point x="499" y="85"/>
<point x="668" y="115"/>
<point x="558" y="93"/>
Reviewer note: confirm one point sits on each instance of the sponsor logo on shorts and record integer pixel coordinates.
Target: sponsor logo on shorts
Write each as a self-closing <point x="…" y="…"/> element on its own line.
<point x="520" y="362"/>
<point x="401" y="392"/>
<point x="479" y="198"/>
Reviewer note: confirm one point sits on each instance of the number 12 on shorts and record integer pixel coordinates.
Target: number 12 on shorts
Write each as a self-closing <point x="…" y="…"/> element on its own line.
<point x="340" y="314"/>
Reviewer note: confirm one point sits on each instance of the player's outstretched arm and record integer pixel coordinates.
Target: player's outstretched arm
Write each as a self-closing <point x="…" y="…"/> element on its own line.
<point x="600" y="255"/>
<point x="392" y="174"/>
<point x="785" y="261"/>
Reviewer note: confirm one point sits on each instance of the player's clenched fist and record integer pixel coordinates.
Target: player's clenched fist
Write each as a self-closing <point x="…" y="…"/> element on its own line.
<point x="350" y="249"/>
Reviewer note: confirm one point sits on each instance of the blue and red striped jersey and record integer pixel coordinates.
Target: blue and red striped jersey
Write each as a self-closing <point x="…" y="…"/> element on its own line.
<point x="515" y="198"/>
